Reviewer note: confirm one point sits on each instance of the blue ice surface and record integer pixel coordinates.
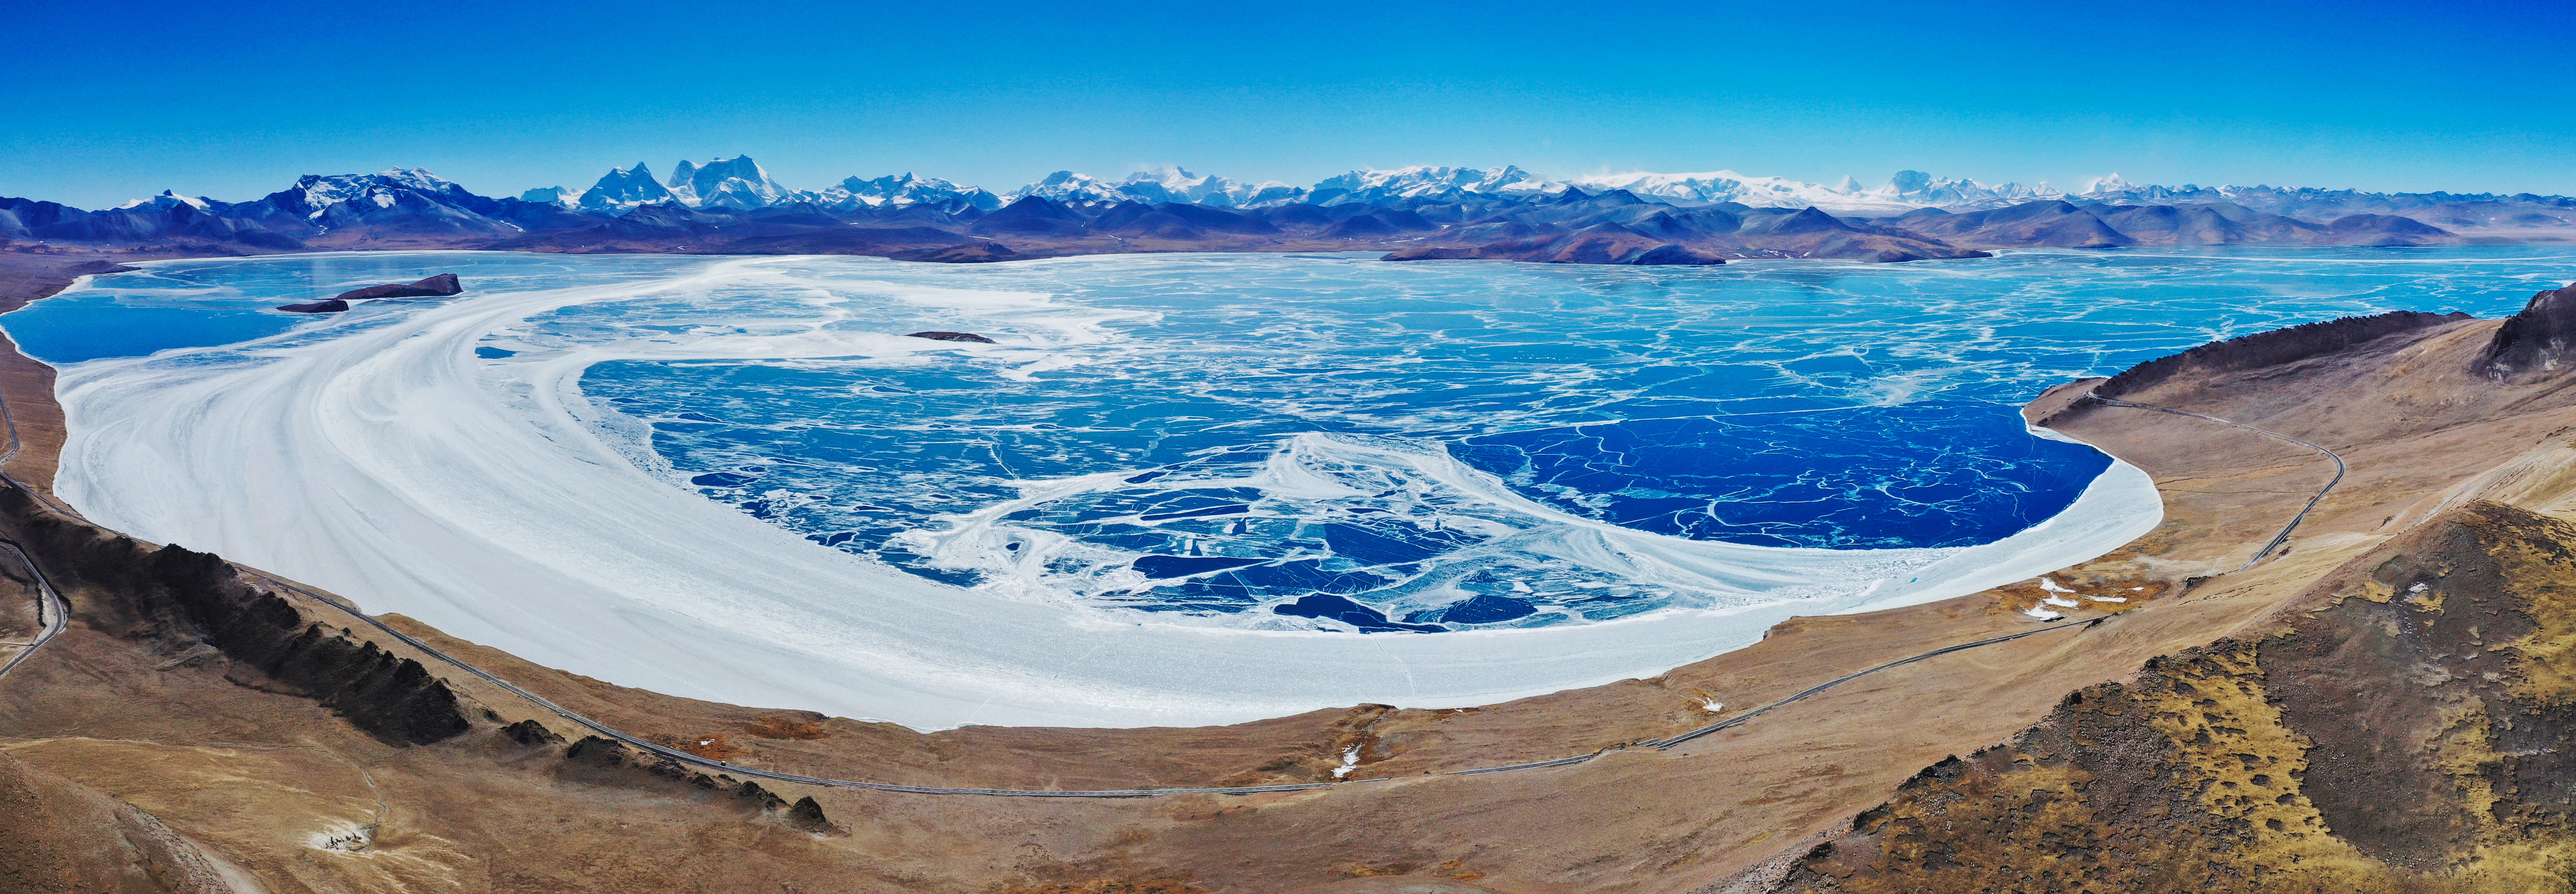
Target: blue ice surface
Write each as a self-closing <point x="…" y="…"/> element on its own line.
<point x="223" y="301"/>
<point x="1784" y="403"/>
<point x="1368" y="620"/>
<point x="1938" y="473"/>
<point x="89" y="325"/>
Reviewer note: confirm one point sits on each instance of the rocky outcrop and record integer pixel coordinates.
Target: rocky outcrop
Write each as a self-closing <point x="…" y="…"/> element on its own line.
<point x="439" y="286"/>
<point x="531" y="733"/>
<point x="2276" y="348"/>
<point x="610" y="759"/>
<point x="2537" y="340"/>
<point x="944" y="335"/>
<point x="808" y="816"/>
<point x="181" y="597"/>
<point x="332" y="306"/>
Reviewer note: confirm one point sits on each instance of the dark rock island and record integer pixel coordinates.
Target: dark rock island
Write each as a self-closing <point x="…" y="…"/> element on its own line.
<point x="439" y="286"/>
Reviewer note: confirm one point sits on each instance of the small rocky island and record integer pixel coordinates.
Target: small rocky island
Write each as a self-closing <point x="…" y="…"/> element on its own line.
<point x="439" y="286"/>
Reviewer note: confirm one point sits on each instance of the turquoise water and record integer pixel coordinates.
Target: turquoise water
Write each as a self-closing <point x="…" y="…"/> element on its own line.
<point x="1330" y="438"/>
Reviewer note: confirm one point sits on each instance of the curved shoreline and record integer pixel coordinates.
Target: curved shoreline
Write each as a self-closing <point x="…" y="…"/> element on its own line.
<point x="1743" y="804"/>
<point x="359" y="497"/>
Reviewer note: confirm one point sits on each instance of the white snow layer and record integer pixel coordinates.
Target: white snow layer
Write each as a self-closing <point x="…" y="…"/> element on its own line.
<point x="392" y="466"/>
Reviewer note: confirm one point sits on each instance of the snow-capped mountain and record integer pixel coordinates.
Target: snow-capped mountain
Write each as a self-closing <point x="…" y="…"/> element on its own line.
<point x="623" y="188"/>
<point x="1370" y="185"/>
<point x="1907" y="190"/>
<point x="740" y="183"/>
<point x="314" y="194"/>
<point x="1070" y="188"/>
<point x="1728" y="186"/>
<point x="736" y="182"/>
<point x="1923" y="190"/>
<point x="892" y="191"/>
<point x="1169" y="184"/>
<point x="560" y="196"/>
<point x="1271" y="192"/>
<point x="1172" y="184"/>
<point x="169" y="199"/>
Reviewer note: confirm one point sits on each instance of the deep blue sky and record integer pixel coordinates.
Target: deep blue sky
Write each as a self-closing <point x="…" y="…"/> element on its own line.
<point x="111" y="101"/>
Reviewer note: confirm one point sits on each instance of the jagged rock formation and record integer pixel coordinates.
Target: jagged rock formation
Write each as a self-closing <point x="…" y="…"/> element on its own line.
<point x="184" y="597"/>
<point x="331" y="306"/>
<point x="944" y="335"/>
<point x="613" y="758"/>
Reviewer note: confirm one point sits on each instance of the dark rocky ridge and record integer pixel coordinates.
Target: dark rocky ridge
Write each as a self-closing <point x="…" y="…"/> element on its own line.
<point x="180" y="598"/>
<point x="613" y="761"/>
<point x="2276" y="347"/>
<point x="2536" y="340"/>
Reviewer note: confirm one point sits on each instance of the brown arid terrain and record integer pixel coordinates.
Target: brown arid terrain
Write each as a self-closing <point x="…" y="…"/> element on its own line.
<point x="2383" y="703"/>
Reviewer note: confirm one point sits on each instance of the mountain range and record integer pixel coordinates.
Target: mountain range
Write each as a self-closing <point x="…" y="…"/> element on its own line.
<point x="1424" y="212"/>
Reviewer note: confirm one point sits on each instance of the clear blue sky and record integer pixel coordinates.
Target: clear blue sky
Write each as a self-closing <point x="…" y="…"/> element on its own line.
<point x="112" y="100"/>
